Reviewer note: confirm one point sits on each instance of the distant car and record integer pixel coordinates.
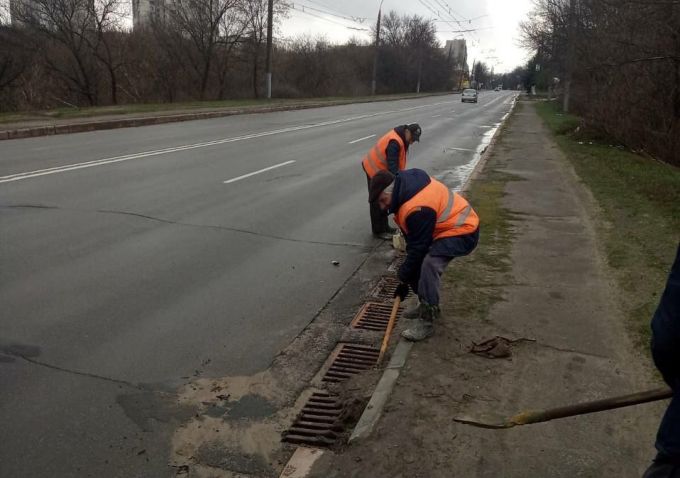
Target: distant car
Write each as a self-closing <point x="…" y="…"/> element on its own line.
<point x="469" y="95"/>
<point x="498" y="88"/>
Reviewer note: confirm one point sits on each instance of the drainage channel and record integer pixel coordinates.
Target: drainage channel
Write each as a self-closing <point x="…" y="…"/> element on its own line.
<point x="373" y="316"/>
<point x="320" y="422"/>
<point x="384" y="291"/>
<point x="350" y="359"/>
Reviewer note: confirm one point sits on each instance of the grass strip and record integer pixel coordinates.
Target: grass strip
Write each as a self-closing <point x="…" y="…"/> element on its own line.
<point x="639" y="199"/>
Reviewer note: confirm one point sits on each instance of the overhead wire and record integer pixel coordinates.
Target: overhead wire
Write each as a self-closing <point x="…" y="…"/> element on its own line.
<point x="304" y="9"/>
<point x="330" y="11"/>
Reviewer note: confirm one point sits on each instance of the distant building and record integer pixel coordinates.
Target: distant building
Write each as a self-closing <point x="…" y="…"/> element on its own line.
<point x="456" y="51"/>
<point x="148" y="12"/>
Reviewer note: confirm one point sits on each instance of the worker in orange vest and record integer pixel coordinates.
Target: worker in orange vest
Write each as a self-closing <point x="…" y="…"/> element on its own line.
<point x="438" y="225"/>
<point x="388" y="154"/>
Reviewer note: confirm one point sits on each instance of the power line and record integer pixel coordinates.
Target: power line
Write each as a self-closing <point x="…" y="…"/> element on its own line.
<point x="434" y="11"/>
<point x="304" y="8"/>
<point x="330" y="11"/>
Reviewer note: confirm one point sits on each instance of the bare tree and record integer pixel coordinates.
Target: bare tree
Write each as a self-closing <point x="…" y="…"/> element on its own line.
<point x="233" y="27"/>
<point x="62" y="31"/>
<point x="198" y="26"/>
<point x="15" y="59"/>
<point x="611" y="51"/>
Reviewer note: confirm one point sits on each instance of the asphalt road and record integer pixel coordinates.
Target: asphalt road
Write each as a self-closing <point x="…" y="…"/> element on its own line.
<point x="133" y="260"/>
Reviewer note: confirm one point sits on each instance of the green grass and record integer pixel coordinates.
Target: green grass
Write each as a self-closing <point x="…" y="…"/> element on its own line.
<point x="476" y="283"/>
<point x="640" y="204"/>
<point x="89" y="112"/>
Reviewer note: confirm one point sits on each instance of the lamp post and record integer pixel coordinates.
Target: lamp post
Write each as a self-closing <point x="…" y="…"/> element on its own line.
<point x="377" y="45"/>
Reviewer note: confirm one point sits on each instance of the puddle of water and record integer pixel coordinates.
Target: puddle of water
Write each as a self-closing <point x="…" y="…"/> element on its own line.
<point x="457" y="177"/>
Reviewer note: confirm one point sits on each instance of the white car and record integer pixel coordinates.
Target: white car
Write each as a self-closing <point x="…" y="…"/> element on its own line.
<point x="469" y="95"/>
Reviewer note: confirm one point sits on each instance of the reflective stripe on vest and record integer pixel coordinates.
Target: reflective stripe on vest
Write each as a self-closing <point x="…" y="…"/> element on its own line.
<point x="376" y="158"/>
<point x="455" y="216"/>
<point x="463" y="215"/>
<point x="445" y="214"/>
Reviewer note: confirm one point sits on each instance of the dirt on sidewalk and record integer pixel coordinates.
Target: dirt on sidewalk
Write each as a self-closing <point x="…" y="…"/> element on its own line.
<point x="539" y="279"/>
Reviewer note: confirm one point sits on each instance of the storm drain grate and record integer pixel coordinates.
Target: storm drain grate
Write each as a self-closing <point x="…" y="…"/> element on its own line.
<point x="385" y="289"/>
<point x="319" y="423"/>
<point x="397" y="263"/>
<point x="349" y="360"/>
<point x="373" y="316"/>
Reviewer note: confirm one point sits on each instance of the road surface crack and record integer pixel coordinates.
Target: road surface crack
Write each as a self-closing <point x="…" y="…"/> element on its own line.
<point x="76" y="372"/>
<point x="188" y="224"/>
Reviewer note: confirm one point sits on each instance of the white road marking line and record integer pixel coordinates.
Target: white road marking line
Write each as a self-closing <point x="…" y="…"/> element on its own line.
<point x="258" y="172"/>
<point x="361" y="139"/>
<point x="459" y="149"/>
<point x="144" y="154"/>
<point x="436" y="116"/>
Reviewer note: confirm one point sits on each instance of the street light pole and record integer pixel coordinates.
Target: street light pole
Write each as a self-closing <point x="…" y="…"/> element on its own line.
<point x="377" y="45"/>
<point x="270" y="19"/>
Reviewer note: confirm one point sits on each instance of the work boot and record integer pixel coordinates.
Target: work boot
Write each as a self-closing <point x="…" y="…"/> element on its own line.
<point x="385" y="236"/>
<point x="424" y="326"/>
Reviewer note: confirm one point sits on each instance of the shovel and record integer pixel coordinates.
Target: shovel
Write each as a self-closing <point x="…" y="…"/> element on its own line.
<point x="388" y="331"/>
<point x="538" y="416"/>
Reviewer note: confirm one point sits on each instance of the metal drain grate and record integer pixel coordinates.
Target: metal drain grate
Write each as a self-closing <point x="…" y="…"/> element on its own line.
<point x="385" y="289"/>
<point x="397" y="263"/>
<point x="350" y="359"/>
<point x="374" y="316"/>
<point x="319" y="422"/>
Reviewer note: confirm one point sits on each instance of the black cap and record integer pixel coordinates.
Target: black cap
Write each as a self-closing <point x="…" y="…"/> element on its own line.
<point x="379" y="182"/>
<point x="415" y="130"/>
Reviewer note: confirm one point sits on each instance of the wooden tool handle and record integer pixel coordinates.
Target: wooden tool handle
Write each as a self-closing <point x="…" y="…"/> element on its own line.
<point x="611" y="403"/>
<point x="390" y="326"/>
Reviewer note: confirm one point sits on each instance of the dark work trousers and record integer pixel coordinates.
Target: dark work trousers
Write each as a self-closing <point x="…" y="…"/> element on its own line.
<point x="429" y="280"/>
<point x="666" y="354"/>
<point x="379" y="220"/>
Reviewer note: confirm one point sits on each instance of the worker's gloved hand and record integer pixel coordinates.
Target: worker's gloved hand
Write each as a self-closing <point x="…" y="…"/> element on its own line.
<point x="401" y="291"/>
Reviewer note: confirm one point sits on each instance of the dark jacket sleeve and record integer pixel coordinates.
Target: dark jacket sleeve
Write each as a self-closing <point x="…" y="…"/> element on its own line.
<point x="393" y="156"/>
<point x="420" y="226"/>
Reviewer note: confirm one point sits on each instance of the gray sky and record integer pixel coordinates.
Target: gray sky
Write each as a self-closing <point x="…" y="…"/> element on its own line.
<point x="496" y="21"/>
<point x="495" y="41"/>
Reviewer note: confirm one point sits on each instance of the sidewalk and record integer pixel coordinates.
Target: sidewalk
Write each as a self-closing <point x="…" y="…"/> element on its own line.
<point x="538" y="279"/>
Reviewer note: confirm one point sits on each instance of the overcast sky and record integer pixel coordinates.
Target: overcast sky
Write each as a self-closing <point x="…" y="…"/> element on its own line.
<point x="495" y="40"/>
<point x="496" y="21"/>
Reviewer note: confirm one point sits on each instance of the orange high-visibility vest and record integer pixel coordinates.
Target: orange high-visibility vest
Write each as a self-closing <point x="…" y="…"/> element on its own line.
<point x="376" y="159"/>
<point x="455" y="216"/>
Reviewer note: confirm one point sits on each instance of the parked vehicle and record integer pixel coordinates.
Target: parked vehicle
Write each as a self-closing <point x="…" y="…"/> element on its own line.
<point x="469" y="96"/>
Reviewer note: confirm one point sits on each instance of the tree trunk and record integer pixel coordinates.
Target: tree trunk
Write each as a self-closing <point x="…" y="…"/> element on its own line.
<point x="114" y="86"/>
<point x="256" y="58"/>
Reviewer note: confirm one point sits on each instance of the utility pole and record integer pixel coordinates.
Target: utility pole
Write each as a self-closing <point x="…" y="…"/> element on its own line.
<point x="270" y="20"/>
<point x="377" y="45"/>
<point x="570" y="57"/>
<point x="472" y="76"/>
<point x="420" y="69"/>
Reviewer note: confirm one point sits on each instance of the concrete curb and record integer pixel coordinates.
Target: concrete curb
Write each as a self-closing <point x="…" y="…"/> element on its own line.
<point x="486" y="151"/>
<point x="48" y="130"/>
<point x="382" y="392"/>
